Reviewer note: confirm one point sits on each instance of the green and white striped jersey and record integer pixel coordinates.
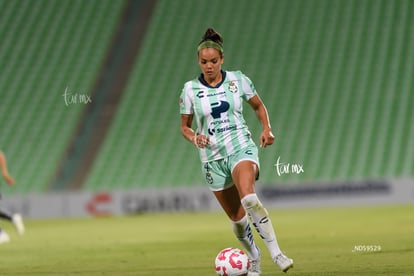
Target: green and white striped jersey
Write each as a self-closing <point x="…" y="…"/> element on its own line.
<point x="218" y="113"/>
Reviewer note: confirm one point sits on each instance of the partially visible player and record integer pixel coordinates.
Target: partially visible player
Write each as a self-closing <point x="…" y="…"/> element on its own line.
<point x="230" y="163"/>
<point x="16" y="219"/>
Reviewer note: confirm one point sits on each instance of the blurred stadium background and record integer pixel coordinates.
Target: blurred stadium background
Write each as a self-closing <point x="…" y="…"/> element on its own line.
<point x="336" y="76"/>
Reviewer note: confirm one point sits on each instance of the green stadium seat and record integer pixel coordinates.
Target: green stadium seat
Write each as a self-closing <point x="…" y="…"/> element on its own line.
<point x="47" y="46"/>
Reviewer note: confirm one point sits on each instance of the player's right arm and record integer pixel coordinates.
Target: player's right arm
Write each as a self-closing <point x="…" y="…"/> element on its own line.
<point x="186" y="130"/>
<point x="200" y="141"/>
<point x="186" y="111"/>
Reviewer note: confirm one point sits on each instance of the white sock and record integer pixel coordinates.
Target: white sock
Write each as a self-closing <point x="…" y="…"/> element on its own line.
<point x="261" y="221"/>
<point x="244" y="234"/>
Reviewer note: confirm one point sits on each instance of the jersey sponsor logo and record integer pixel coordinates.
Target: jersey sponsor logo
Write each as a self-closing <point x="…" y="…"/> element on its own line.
<point x="212" y="127"/>
<point x="219" y="107"/>
<point x="216" y="93"/>
<point x="212" y="130"/>
<point x="200" y="94"/>
<point x="226" y="128"/>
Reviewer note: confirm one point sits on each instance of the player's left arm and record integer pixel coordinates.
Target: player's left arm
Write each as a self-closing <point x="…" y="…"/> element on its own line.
<point x="3" y="165"/>
<point x="266" y="138"/>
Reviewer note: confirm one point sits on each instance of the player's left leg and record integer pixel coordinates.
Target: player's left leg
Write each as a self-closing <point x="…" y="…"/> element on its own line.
<point x="244" y="175"/>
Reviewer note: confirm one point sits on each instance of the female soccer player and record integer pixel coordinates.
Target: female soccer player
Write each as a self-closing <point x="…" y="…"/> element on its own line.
<point x="16" y="219"/>
<point x="229" y="156"/>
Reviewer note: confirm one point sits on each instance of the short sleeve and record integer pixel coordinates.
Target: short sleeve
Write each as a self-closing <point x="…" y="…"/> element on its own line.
<point x="186" y="103"/>
<point x="248" y="87"/>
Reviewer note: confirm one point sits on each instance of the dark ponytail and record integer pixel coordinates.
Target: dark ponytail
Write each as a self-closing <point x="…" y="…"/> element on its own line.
<point x="212" y="35"/>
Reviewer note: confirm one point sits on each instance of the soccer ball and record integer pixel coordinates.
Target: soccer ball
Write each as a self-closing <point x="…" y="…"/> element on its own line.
<point x="232" y="262"/>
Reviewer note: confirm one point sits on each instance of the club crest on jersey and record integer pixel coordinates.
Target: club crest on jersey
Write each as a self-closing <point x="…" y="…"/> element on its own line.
<point x="209" y="178"/>
<point x="233" y="87"/>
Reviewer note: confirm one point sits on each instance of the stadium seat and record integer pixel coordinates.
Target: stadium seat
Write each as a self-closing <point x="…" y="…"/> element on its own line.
<point x="47" y="47"/>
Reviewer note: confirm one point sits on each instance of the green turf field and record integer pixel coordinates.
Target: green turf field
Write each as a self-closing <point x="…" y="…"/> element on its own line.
<point x="321" y="242"/>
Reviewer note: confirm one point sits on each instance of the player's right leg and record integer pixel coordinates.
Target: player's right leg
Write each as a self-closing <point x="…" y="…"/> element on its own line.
<point x="230" y="202"/>
<point x="220" y="183"/>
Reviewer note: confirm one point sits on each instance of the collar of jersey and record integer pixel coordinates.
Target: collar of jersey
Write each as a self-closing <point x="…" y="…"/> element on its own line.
<point x="223" y="76"/>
